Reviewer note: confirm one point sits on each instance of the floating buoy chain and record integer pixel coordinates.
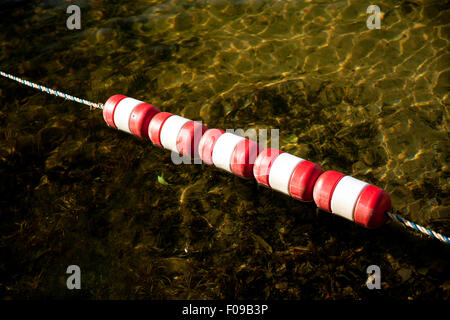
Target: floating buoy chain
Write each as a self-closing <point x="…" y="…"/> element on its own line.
<point x="332" y="191"/>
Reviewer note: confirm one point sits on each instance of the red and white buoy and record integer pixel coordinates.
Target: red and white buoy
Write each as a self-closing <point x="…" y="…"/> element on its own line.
<point x="352" y="199"/>
<point x="155" y="126"/>
<point x="188" y="139"/>
<point x="286" y="173"/>
<point x="207" y="143"/>
<point x="129" y="115"/>
<point x="332" y="191"/>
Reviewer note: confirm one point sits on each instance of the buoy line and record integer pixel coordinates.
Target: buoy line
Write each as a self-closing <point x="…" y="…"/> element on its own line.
<point x="332" y="191"/>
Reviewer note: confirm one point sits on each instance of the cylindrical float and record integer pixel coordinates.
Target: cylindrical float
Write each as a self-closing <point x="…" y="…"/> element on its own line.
<point x="243" y="158"/>
<point x="189" y="138"/>
<point x="140" y="119"/>
<point x="109" y="107"/>
<point x="352" y="199"/>
<point x="207" y="143"/>
<point x="286" y="173"/>
<point x="169" y="132"/>
<point x="223" y="150"/>
<point x="155" y="125"/>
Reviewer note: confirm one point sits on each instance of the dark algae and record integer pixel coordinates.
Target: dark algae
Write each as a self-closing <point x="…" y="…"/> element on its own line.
<point x="369" y="103"/>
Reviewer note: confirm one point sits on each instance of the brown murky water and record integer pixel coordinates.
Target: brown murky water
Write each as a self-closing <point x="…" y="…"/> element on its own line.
<point x="370" y="103"/>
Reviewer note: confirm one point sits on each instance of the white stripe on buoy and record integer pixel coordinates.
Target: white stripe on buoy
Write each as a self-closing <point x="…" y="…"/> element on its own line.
<point x="170" y="130"/>
<point x="345" y="195"/>
<point x="281" y="171"/>
<point x="123" y="112"/>
<point x="223" y="150"/>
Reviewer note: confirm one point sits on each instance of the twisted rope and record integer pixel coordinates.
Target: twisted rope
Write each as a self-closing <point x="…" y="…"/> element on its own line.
<point x="416" y="227"/>
<point x="53" y="92"/>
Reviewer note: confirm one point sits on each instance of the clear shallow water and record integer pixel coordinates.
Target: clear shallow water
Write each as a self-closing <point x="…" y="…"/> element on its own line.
<point x="370" y="103"/>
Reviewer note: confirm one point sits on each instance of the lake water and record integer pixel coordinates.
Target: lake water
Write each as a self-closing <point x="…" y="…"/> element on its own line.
<point x="371" y="103"/>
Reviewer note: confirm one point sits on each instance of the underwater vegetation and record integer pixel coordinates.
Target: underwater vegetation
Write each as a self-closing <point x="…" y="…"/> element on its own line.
<point x="369" y="103"/>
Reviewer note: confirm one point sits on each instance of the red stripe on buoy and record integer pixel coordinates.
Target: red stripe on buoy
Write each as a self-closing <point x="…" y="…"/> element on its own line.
<point x="324" y="188"/>
<point x="243" y="158"/>
<point x="371" y="206"/>
<point x="189" y="137"/>
<point x="263" y="162"/>
<point x="206" y="144"/>
<point x="140" y="118"/>
<point x="109" y="107"/>
<point x="302" y="181"/>
<point x="155" y="125"/>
